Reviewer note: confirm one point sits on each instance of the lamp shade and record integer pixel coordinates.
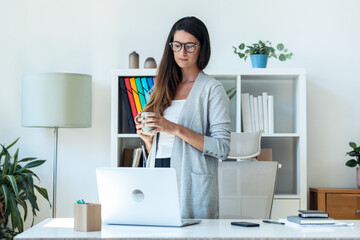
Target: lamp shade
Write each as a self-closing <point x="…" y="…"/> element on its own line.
<point x="56" y="100"/>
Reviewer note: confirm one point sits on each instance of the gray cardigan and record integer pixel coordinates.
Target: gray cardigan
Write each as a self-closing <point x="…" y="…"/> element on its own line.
<point x="206" y="111"/>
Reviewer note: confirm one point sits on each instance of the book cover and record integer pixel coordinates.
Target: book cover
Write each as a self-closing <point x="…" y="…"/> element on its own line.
<point x="140" y="92"/>
<point x="124" y="96"/>
<point x="271" y="113"/>
<point x="256" y="114"/>
<point x="261" y="113"/>
<point x="313" y="213"/>
<point x="150" y="82"/>
<point x="245" y="112"/>
<point x="130" y="97"/>
<point x="310" y="221"/>
<point x="127" y="157"/>
<point x="136" y="157"/>
<point x="146" y="88"/>
<point x="135" y="94"/>
<point x="265" y="112"/>
<point x="252" y="113"/>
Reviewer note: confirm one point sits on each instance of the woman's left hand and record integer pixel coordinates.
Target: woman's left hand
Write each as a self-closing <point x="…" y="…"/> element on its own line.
<point x="162" y="124"/>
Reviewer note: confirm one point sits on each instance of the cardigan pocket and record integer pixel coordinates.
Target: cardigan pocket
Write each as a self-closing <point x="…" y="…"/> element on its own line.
<point x="203" y="189"/>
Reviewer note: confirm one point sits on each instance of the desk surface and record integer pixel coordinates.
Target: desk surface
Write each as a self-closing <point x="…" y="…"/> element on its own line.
<point x="62" y="228"/>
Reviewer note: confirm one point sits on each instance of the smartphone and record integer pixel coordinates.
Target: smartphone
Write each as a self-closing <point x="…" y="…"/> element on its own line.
<point x="245" y="224"/>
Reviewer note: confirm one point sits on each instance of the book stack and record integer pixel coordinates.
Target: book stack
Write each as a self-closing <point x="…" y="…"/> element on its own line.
<point x="311" y="217"/>
<point x="132" y="157"/>
<point x="257" y="112"/>
<point x="135" y="92"/>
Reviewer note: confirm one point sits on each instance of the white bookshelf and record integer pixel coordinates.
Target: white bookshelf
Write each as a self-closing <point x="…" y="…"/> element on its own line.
<point x="288" y="86"/>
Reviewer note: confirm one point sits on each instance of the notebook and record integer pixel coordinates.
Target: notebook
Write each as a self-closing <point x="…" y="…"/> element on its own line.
<point x="310" y="221"/>
<point x="313" y="214"/>
<point x="140" y="196"/>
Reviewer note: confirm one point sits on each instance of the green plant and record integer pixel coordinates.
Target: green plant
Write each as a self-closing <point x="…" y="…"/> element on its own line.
<point x="263" y="47"/>
<point x="231" y="92"/>
<point x="354" y="153"/>
<point x="17" y="187"/>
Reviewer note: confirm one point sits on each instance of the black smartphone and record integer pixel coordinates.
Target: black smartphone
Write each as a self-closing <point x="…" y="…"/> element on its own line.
<point x="245" y="224"/>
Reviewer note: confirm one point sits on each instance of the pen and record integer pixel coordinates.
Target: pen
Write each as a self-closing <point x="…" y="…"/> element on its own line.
<point x="273" y="222"/>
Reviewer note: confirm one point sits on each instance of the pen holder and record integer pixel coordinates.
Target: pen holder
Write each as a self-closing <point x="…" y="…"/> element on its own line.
<point x="87" y="217"/>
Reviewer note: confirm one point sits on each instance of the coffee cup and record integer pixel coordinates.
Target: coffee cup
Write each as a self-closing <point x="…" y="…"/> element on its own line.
<point x="145" y="129"/>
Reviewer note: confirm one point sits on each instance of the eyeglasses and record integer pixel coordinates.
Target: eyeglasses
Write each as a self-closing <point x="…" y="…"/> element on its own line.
<point x="190" y="47"/>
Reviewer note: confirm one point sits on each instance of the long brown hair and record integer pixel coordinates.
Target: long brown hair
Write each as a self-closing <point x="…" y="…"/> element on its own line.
<point x="169" y="73"/>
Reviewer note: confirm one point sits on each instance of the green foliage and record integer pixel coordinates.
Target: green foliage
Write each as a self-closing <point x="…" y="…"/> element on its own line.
<point x="354" y="153"/>
<point x="231" y="92"/>
<point x="263" y="47"/>
<point x="17" y="189"/>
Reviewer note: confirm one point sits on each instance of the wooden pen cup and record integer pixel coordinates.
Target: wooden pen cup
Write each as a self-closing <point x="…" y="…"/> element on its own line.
<point x="87" y="217"/>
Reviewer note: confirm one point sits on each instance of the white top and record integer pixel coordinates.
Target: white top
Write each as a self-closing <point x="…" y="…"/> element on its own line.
<point x="62" y="228"/>
<point x="166" y="141"/>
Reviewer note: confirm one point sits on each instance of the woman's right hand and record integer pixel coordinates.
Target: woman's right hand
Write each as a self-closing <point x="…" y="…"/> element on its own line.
<point x="146" y="138"/>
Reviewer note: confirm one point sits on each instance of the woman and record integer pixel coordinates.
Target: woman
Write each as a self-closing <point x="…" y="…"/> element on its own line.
<point x="191" y="116"/>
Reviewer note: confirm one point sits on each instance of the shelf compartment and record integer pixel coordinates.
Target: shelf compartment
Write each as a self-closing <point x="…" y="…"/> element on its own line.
<point x="284" y="91"/>
<point x="285" y="152"/>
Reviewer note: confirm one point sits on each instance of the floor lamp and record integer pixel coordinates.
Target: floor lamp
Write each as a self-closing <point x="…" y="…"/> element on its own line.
<point x="56" y="100"/>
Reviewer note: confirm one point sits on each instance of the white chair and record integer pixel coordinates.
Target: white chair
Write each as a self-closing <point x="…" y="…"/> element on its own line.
<point x="245" y="145"/>
<point x="246" y="188"/>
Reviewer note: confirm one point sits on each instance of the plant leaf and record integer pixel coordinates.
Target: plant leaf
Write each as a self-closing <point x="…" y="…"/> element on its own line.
<point x="242" y="46"/>
<point x="353" y="154"/>
<point x="16" y="220"/>
<point x="27" y="159"/>
<point x="282" y="57"/>
<point x="24" y="206"/>
<point x="6" y="164"/>
<point x="232" y="95"/>
<point x="32" y="165"/>
<point x="12" y="144"/>
<point x="352" y="144"/>
<point x="15" y="162"/>
<point x="280" y="47"/>
<point x="4" y="192"/>
<point x="24" y="172"/>
<point x="230" y="90"/>
<point x="12" y="181"/>
<point x="351" y="163"/>
<point x="43" y="193"/>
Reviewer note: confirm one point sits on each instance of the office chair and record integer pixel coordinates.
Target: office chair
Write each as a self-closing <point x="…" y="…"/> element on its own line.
<point x="246" y="187"/>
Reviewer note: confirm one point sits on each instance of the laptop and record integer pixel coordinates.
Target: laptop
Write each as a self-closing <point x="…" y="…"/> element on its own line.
<point x="140" y="196"/>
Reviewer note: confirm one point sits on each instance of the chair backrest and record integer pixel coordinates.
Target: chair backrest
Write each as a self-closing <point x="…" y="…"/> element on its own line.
<point x="246" y="188"/>
<point x="245" y="145"/>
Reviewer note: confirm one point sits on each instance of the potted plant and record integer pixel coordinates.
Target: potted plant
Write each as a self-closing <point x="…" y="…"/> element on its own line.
<point x="260" y="52"/>
<point x="17" y="189"/>
<point x="354" y="162"/>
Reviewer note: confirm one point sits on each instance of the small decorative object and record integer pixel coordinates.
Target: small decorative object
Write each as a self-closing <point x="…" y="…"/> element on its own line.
<point x="18" y="191"/>
<point x="150" y="63"/>
<point x="260" y="52"/>
<point x="354" y="162"/>
<point x="134" y="60"/>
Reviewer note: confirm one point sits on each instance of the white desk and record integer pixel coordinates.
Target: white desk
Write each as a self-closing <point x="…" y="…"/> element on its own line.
<point x="62" y="228"/>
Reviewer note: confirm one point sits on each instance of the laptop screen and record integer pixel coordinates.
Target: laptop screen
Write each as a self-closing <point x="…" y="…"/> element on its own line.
<point x="139" y="196"/>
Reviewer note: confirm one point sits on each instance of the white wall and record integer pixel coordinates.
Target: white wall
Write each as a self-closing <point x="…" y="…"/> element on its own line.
<point x="95" y="37"/>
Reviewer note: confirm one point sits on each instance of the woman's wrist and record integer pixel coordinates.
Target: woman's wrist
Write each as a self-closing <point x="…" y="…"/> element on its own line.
<point x="177" y="130"/>
<point x="148" y="145"/>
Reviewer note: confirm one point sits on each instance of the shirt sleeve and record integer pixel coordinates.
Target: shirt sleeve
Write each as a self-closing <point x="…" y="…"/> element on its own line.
<point x="217" y="144"/>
